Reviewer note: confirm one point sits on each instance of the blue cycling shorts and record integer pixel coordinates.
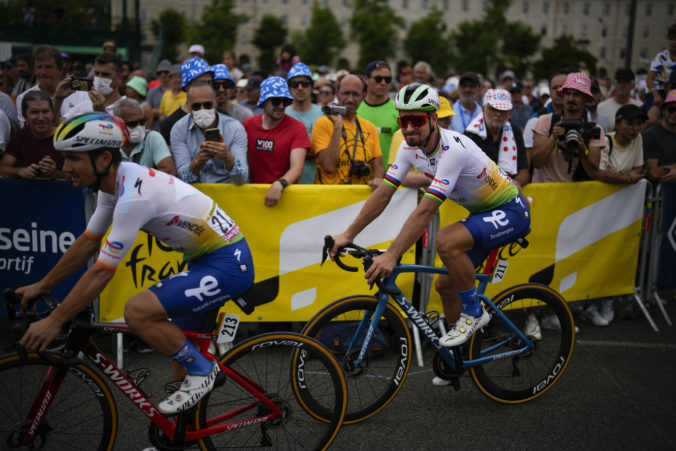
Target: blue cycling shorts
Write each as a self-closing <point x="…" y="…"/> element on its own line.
<point x="209" y="282"/>
<point x="495" y="228"/>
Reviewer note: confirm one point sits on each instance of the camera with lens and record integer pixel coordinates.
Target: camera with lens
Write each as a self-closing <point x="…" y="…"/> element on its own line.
<point x="575" y="129"/>
<point x="360" y="169"/>
<point x="334" y="109"/>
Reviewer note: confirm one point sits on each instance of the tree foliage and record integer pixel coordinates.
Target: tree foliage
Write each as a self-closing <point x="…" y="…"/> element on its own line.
<point x="323" y="40"/>
<point x="170" y="29"/>
<point x="564" y="53"/>
<point x="374" y="26"/>
<point x="47" y="14"/>
<point x="217" y="30"/>
<point x="270" y="34"/>
<point x="492" y="43"/>
<point x="427" y="40"/>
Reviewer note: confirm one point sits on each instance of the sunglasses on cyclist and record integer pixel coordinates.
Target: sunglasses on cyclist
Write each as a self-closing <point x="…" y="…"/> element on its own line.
<point x="132" y="124"/>
<point x="415" y="120"/>
<point x="217" y="84"/>
<point x="379" y="79"/>
<point x="297" y="83"/>
<point x="276" y="101"/>
<point x="198" y="106"/>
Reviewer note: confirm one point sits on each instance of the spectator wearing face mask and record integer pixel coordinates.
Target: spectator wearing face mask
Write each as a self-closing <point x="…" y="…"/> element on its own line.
<point x="146" y="147"/>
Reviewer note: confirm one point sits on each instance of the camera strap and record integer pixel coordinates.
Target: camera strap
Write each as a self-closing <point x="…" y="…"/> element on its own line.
<point x="354" y="148"/>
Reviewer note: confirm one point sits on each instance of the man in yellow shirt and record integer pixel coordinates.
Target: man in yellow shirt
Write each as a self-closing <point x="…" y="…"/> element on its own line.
<point x="347" y="148"/>
<point x="173" y="98"/>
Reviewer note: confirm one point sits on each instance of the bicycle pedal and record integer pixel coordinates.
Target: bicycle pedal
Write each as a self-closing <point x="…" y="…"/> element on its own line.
<point x="455" y="383"/>
<point x="138" y="376"/>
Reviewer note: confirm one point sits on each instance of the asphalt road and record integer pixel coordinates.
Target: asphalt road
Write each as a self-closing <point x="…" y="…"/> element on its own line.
<point x="619" y="392"/>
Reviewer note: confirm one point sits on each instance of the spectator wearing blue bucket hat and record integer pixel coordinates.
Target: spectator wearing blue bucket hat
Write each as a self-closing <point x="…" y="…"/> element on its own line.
<point x="277" y="143"/>
<point x="223" y="85"/>
<point x="194" y="69"/>
<point x="300" y="84"/>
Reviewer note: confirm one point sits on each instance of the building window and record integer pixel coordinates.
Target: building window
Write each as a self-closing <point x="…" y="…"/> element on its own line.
<point x="444" y="4"/>
<point x="545" y="8"/>
<point x="627" y="9"/>
<point x="425" y="4"/>
<point x="325" y="3"/>
<point x="564" y="30"/>
<point x="584" y="32"/>
<point x="606" y="9"/>
<point x="646" y="31"/>
<point x="344" y="22"/>
<point x="404" y="4"/>
<point x="543" y="30"/>
<point x="604" y="31"/>
<point x="524" y="7"/>
<point x="245" y="39"/>
<point x="465" y="5"/>
<point x="346" y="3"/>
<point x="285" y="2"/>
<point x="602" y="53"/>
<point x="285" y="21"/>
<point x="644" y="53"/>
<point x="303" y="21"/>
<point x="585" y="9"/>
<point x="625" y="31"/>
<point x="670" y="9"/>
<point x="649" y="9"/>
<point x="566" y="9"/>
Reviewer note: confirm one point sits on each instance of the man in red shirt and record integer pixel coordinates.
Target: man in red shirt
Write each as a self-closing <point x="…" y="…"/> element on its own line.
<point x="277" y="143"/>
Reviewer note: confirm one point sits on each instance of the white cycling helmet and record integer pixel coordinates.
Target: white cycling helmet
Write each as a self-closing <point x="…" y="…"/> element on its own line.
<point x="90" y="131"/>
<point x="417" y="97"/>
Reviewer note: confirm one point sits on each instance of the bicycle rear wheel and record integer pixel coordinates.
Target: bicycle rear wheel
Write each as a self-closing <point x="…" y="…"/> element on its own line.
<point x="299" y="375"/>
<point x="526" y="376"/>
<point x="81" y="416"/>
<point x="372" y="385"/>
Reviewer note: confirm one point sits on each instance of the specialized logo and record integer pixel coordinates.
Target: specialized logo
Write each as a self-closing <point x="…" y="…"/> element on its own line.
<point x="208" y="287"/>
<point x="137" y="185"/>
<point x="265" y="145"/>
<point x="498" y="218"/>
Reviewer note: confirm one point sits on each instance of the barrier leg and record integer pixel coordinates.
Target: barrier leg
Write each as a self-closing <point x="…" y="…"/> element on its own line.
<point x="641" y="305"/>
<point x="661" y="303"/>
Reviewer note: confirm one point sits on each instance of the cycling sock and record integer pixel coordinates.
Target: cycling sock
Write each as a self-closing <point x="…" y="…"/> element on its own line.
<point x="190" y="358"/>
<point x="470" y="305"/>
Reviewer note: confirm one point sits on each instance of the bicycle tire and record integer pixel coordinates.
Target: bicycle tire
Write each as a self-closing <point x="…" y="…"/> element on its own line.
<point x="521" y="378"/>
<point x="82" y="415"/>
<point x="274" y="361"/>
<point x="384" y="370"/>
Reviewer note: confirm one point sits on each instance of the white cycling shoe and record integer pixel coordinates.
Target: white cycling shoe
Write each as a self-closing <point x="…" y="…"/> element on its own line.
<point x="193" y="388"/>
<point x="463" y="329"/>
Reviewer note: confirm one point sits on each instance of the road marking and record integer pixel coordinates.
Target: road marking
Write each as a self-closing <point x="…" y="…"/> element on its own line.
<point x="625" y="344"/>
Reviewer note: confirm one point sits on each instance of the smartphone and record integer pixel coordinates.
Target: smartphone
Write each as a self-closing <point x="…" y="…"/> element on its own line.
<point x="81" y="83"/>
<point x="212" y="134"/>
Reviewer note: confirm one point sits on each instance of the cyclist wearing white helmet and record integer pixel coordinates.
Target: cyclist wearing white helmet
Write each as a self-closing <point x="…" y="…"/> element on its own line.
<point x="458" y="169"/>
<point x="132" y="197"/>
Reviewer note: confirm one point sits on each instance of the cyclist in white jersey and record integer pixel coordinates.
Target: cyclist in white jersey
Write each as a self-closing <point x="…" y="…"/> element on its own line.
<point x="134" y="197"/>
<point x="459" y="170"/>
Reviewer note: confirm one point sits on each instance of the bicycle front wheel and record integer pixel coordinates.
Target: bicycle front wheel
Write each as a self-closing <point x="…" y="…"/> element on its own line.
<point x="544" y="317"/>
<point x="372" y="384"/>
<point x="295" y="372"/>
<point x="82" y="414"/>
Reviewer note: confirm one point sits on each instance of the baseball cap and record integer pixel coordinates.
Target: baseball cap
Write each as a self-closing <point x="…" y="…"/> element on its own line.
<point x="254" y="82"/>
<point x="324" y="69"/>
<point x="500" y="99"/>
<point x="273" y="87"/>
<point x="241" y="83"/>
<point x="138" y="84"/>
<point x="196" y="48"/>
<point x="629" y="111"/>
<point x="578" y="81"/>
<point x="508" y="74"/>
<point x="517" y="86"/>
<point x="671" y="97"/>
<point x="164" y="65"/>
<point x="469" y="76"/>
<point x="625" y="75"/>
<point x="445" y="109"/>
<point x="373" y="65"/>
<point x="193" y="68"/>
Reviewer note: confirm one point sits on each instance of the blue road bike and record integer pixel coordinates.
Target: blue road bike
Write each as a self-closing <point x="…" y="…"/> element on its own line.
<point x="512" y="360"/>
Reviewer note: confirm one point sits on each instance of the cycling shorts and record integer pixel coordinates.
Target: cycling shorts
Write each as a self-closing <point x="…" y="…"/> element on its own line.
<point x="495" y="228"/>
<point x="209" y="282"/>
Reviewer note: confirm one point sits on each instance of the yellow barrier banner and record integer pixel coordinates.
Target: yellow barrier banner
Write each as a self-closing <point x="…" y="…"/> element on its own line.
<point x="286" y="242"/>
<point x="584" y="240"/>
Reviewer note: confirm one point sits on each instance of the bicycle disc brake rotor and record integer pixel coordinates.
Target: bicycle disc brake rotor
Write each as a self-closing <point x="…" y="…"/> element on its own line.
<point x="21" y="429"/>
<point x="279" y="402"/>
<point x="348" y="364"/>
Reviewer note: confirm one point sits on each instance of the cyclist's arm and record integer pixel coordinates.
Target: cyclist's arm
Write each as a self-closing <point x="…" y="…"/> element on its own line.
<point x="77" y="255"/>
<point x="373" y="207"/>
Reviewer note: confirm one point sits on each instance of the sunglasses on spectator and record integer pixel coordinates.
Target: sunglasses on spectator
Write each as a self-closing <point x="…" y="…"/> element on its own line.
<point x="132" y="124"/>
<point x="297" y="83"/>
<point x="199" y="106"/>
<point x="379" y="79"/>
<point x="276" y="101"/>
<point x="217" y="84"/>
<point x="415" y="120"/>
<point x="671" y="109"/>
<point x="163" y="72"/>
<point x="326" y="93"/>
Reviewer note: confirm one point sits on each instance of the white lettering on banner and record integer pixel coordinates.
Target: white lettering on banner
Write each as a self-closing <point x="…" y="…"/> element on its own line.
<point x="299" y="249"/>
<point x="21" y="264"/>
<point x="208" y="287"/>
<point x="35" y="240"/>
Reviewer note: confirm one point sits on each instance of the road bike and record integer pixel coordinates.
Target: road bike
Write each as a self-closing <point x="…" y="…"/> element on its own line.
<point x="512" y="360"/>
<point x="278" y="390"/>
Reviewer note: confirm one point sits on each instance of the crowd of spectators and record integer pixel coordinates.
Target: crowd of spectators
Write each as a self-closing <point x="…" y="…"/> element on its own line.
<point x="227" y="123"/>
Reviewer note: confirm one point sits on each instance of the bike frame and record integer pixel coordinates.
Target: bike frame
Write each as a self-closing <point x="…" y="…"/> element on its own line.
<point x="176" y="430"/>
<point x="369" y="325"/>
